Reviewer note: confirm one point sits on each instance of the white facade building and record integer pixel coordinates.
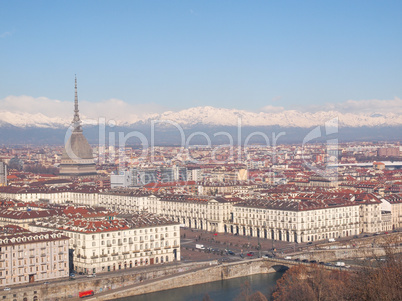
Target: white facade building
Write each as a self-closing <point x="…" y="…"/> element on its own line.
<point x="107" y="245"/>
<point x="31" y="257"/>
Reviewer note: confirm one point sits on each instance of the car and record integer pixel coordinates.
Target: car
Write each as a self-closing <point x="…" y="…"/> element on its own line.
<point x="321" y="262"/>
<point x="355" y="236"/>
<point x="313" y="261"/>
<point x="7" y="289"/>
<point x="328" y="264"/>
<point x="310" y="243"/>
<point x="46" y="282"/>
<point x="366" y="235"/>
<point x="230" y="252"/>
<point x="297" y="259"/>
<point x="250" y="254"/>
<point x="304" y="260"/>
<point x="288" y="258"/>
<point x="72" y="275"/>
<point x="91" y="276"/>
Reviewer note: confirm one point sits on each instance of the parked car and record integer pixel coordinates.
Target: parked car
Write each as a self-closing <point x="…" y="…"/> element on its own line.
<point x="7" y="289"/>
<point x="304" y="260"/>
<point x="321" y="262"/>
<point x="72" y="275"/>
<point x="297" y="259"/>
<point x="313" y="261"/>
<point x="310" y="243"/>
<point x="250" y="254"/>
<point x="288" y="258"/>
<point x="91" y="276"/>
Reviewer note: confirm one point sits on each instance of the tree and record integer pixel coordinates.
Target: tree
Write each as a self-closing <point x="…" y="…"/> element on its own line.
<point x="293" y="286"/>
<point x="380" y="279"/>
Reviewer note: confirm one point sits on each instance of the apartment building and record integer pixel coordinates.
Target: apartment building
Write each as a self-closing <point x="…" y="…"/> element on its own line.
<point x="296" y="219"/>
<point x="104" y="245"/>
<point x="30" y="257"/>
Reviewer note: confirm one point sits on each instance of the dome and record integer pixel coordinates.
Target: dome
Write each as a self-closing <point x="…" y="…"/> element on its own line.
<point x="77" y="158"/>
<point x="79" y="146"/>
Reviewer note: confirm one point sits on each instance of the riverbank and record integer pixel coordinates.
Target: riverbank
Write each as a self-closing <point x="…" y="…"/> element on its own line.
<point x="222" y="290"/>
<point x="190" y="278"/>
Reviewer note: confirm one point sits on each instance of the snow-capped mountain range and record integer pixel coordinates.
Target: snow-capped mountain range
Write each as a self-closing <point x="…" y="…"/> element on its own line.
<point x="212" y="116"/>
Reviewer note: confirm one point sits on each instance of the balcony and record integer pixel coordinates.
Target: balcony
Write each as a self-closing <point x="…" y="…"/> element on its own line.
<point x="94" y="257"/>
<point x="115" y="254"/>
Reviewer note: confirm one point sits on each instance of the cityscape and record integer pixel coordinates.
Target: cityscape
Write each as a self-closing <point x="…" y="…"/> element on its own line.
<point x="184" y="196"/>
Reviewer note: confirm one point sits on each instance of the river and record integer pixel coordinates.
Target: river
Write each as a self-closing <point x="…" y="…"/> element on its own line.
<point x="224" y="290"/>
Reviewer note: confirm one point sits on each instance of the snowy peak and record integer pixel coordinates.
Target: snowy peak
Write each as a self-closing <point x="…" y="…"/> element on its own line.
<point x="212" y="116"/>
<point x="290" y="118"/>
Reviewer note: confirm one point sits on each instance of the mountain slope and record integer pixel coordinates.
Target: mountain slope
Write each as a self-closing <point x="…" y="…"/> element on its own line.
<point x="211" y="116"/>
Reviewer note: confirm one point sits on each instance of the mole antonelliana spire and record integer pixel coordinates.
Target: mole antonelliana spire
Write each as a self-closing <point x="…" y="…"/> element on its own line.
<point x="77" y="158"/>
<point x="76" y="119"/>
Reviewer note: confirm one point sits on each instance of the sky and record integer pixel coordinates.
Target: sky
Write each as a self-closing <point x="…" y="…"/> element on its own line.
<point x="153" y="56"/>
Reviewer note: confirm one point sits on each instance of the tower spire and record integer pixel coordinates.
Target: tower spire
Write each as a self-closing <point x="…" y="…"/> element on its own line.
<point x="76" y="120"/>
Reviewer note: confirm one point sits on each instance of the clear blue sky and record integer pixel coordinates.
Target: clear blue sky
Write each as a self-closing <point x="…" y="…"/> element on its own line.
<point x="180" y="54"/>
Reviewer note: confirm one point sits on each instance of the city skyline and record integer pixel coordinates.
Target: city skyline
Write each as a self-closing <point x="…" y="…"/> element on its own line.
<point x="154" y="57"/>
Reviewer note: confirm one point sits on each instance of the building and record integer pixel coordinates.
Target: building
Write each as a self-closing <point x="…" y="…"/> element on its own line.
<point x="139" y="177"/>
<point x="393" y="203"/>
<point x="23" y="218"/>
<point x="388" y="152"/>
<point x="30" y="257"/>
<point x="77" y="158"/>
<point x="370" y="213"/>
<point x="3" y="174"/>
<point x="298" y="218"/>
<point x="104" y="245"/>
